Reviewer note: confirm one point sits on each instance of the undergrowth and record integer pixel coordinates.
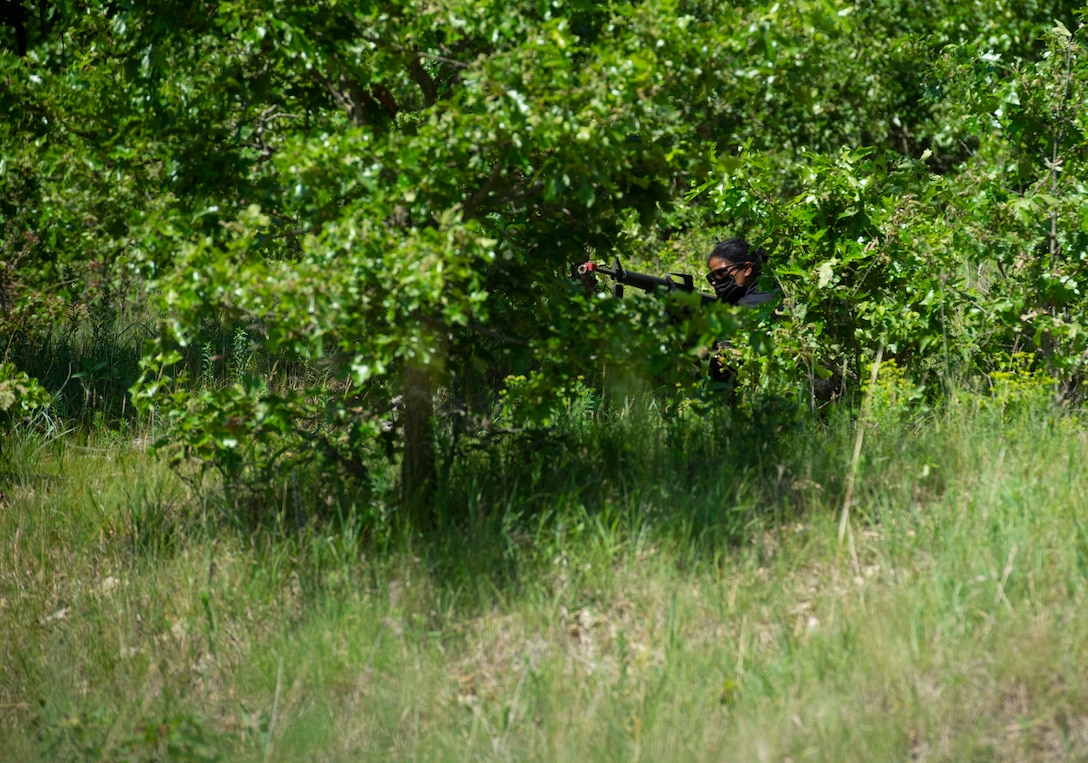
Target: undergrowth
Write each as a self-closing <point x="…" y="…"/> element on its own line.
<point x="637" y="583"/>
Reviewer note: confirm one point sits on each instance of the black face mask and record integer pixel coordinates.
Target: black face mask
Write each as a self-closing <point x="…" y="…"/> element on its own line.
<point x="729" y="291"/>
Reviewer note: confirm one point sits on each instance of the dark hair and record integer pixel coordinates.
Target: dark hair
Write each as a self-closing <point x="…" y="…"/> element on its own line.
<point x="737" y="251"/>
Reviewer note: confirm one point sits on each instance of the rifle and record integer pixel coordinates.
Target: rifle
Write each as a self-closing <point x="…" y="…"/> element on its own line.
<point x="648" y="283"/>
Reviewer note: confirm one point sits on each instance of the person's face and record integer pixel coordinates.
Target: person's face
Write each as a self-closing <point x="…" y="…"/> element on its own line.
<point x="721" y="269"/>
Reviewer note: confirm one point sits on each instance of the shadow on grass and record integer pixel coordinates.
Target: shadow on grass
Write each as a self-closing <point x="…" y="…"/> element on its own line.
<point x="699" y="485"/>
<point x="696" y="483"/>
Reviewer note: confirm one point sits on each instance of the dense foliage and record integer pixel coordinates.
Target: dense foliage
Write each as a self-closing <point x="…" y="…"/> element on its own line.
<point x="327" y="219"/>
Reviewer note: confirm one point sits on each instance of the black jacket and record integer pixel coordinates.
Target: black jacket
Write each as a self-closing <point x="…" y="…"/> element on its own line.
<point x="753" y="296"/>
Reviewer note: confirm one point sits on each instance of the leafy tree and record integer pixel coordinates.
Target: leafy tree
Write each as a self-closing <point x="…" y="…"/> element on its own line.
<point x="344" y="212"/>
<point x="415" y="231"/>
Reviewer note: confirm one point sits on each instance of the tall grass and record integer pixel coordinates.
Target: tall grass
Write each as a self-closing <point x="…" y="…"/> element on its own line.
<point x="635" y="584"/>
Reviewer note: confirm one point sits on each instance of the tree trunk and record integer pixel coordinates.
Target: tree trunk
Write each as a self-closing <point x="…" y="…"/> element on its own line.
<point x="13" y="14"/>
<point x="418" y="466"/>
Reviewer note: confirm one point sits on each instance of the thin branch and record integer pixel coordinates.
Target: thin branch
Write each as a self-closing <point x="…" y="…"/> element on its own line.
<point x="472" y="202"/>
<point x="343" y="99"/>
<point x="1055" y="161"/>
<point x="844" y="522"/>
<point x="415" y="52"/>
<point x="536" y="187"/>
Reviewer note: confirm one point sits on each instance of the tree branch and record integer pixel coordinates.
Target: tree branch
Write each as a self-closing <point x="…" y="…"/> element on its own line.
<point x="425" y="81"/>
<point x="469" y="205"/>
<point x="1054" y="165"/>
<point x="362" y="104"/>
<point x="415" y="52"/>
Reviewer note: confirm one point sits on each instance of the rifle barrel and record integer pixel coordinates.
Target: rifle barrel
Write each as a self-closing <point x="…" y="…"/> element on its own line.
<point x="645" y="281"/>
